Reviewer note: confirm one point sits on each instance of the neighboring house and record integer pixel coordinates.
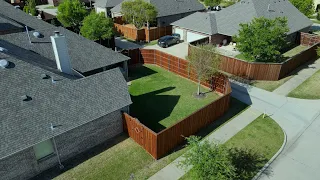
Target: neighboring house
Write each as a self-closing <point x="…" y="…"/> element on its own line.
<point x="168" y="10"/>
<point x="220" y="25"/>
<point x="49" y="110"/>
<point x="105" y="6"/>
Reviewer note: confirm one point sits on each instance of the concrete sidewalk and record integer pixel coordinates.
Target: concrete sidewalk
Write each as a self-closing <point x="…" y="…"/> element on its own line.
<point x="224" y="133"/>
<point x="303" y="74"/>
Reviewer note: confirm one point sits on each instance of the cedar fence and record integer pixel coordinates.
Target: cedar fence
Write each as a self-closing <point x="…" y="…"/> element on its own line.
<point x="268" y="71"/>
<point x="159" y="144"/>
<point x="144" y="34"/>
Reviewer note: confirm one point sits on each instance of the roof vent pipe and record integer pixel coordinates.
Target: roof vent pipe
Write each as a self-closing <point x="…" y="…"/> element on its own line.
<point x="61" y="53"/>
<point x="4" y="63"/>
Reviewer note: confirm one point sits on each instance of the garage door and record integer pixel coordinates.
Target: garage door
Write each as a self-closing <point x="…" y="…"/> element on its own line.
<point x="193" y="36"/>
<point x="179" y="31"/>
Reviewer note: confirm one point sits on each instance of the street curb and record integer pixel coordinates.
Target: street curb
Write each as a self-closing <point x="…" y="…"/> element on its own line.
<point x="257" y="176"/>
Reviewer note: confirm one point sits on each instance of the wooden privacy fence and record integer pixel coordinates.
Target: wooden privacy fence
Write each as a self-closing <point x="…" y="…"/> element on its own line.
<point x="159" y="144"/>
<point x="130" y="32"/>
<point x="266" y="71"/>
<point x="144" y="34"/>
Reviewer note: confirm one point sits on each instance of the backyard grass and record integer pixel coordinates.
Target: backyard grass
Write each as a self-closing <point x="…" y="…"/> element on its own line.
<point x="242" y="57"/>
<point x="51" y="7"/>
<point x="127" y="158"/>
<point x="270" y="85"/>
<point x="294" y="51"/>
<point x="290" y="53"/>
<point x="161" y="98"/>
<point x="309" y="89"/>
<point x="263" y="136"/>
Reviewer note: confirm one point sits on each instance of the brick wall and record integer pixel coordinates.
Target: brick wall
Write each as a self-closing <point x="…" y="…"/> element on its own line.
<point x="307" y="39"/>
<point x="23" y="165"/>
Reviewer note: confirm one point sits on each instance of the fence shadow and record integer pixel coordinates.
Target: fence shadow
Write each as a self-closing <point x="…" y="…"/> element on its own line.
<point x="140" y="71"/>
<point x="144" y="109"/>
<point x="80" y="158"/>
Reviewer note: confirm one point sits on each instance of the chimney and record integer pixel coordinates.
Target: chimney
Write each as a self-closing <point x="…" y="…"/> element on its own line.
<point x="61" y="54"/>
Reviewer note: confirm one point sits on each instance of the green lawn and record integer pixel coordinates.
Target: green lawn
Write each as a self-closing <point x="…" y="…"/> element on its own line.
<point x="154" y="42"/>
<point x="127" y="157"/>
<point x="242" y="57"/>
<point x="51" y="7"/>
<point x="309" y="89"/>
<point x="161" y="98"/>
<point x="270" y="85"/>
<point x="263" y="136"/>
<point x="119" y="162"/>
<point x="294" y="51"/>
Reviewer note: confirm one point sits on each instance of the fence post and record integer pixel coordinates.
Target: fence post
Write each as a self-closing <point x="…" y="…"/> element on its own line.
<point x="169" y="63"/>
<point x="154" y="57"/>
<point x="179" y="65"/>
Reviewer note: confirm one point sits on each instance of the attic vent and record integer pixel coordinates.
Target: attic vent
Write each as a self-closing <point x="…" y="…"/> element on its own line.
<point x="37" y="34"/>
<point x="4" y="63"/>
<point x="45" y="76"/>
<point x="26" y="98"/>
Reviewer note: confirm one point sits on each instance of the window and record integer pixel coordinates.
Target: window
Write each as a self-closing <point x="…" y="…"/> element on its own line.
<point x="43" y="149"/>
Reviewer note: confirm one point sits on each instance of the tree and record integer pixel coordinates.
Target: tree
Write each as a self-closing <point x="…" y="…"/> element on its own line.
<point x="30" y="7"/>
<point x="97" y="27"/>
<point x="304" y="6"/>
<point x="205" y="61"/>
<point x="262" y="39"/>
<point x="71" y="14"/>
<point x="212" y="2"/>
<point x="138" y="12"/>
<point x="209" y="161"/>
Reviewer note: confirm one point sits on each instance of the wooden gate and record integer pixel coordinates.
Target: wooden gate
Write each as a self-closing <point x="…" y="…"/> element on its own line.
<point x="141" y="134"/>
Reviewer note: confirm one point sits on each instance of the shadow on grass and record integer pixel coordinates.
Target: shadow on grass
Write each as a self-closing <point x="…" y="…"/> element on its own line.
<point x="140" y="71"/>
<point x="80" y="158"/>
<point x="150" y="108"/>
<point x="246" y="162"/>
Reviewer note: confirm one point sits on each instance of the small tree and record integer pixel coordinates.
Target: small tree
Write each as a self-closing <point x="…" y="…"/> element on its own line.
<point x="212" y="2"/>
<point x="205" y="61"/>
<point x="138" y="12"/>
<point x="30" y="7"/>
<point x="97" y="27"/>
<point x="263" y="39"/>
<point x="304" y="6"/>
<point x="71" y="14"/>
<point x="209" y="161"/>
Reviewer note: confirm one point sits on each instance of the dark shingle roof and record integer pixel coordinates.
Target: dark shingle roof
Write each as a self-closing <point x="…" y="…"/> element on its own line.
<point x="85" y="54"/>
<point x="170" y="7"/>
<point x="7" y="24"/>
<point x="69" y="103"/>
<point x="227" y="20"/>
<point x="107" y="3"/>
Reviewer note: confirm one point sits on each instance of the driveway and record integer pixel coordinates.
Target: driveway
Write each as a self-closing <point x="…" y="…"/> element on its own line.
<point x="180" y="50"/>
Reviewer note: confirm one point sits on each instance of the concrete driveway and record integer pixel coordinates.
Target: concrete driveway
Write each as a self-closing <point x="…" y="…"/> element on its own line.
<point x="180" y="50"/>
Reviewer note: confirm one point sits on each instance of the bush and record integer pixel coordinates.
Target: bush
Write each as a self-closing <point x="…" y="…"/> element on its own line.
<point x="212" y="2"/>
<point x="318" y="16"/>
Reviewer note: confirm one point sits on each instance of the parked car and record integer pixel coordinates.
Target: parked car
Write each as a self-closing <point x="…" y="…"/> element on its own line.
<point x="167" y="41"/>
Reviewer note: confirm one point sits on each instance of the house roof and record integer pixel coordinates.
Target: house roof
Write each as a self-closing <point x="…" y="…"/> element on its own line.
<point x="85" y="54"/>
<point x="227" y="20"/>
<point x="68" y="102"/>
<point x="8" y="25"/>
<point x="170" y="7"/>
<point x="107" y="3"/>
